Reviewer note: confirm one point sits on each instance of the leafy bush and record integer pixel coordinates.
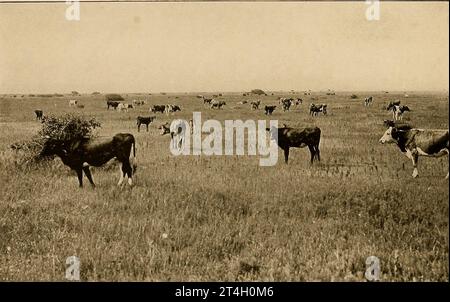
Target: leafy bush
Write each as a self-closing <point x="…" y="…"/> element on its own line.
<point x="114" y="97"/>
<point x="258" y="91"/>
<point x="66" y="128"/>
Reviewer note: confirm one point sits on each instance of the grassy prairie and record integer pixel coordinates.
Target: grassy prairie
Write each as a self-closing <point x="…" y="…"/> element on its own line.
<point x="225" y="218"/>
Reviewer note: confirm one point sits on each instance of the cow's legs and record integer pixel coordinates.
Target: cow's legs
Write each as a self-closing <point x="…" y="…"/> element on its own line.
<point x="126" y="168"/>
<point x="122" y="175"/>
<point x="313" y="153"/>
<point x="139" y="127"/>
<point x="147" y="127"/>
<point x="80" y="177"/>
<point x="286" y="155"/>
<point x="88" y="175"/>
<point x="317" y="152"/>
<point x="414" y="158"/>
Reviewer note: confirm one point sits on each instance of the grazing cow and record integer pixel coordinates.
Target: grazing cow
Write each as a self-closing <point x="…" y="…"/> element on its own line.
<point x="206" y="101"/>
<point x="298" y="138"/>
<point x="172" y="108"/>
<point x="138" y="102"/>
<point x="81" y="106"/>
<point x="243" y="102"/>
<point x="217" y="104"/>
<point x="128" y="106"/>
<point x="392" y="104"/>
<point x="255" y="104"/>
<point x="268" y="110"/>
<point x="368" y="101"/>
<point x="418" y="142"/>
<point x="314" y="110"/>
<point x="39" y="114"/>
<point x="398" y="110"/>
<point x="113" y="104"/>
<point x="122" y="107"/>
<point x="158" y="108"/>
<point x="286" y="103"/>
<point x="144" y="120"/>
<point x="79" y="154"/>
<point x="298" y="101"/>
<point x="73" y="103"/>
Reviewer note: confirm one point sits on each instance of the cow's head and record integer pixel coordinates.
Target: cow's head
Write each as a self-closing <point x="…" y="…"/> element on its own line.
<point x="164" y="129"/>
<point x="53" y="146"/>
<point x="390" y="136"/>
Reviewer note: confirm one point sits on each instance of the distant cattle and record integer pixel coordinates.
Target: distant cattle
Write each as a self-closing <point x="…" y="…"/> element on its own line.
<point x="268" y="110"/>
<point x="128" y="106"/>
<point x="144" y="120"/>
<point x="81" y="106"/>
<point x="158" y="108"/>
<point x="122" y="107"/>
<point x="39" y="114"/>
<point x="73" y="103"/>
<point x="418" y="142"/>
<point x="172" y="108"/>
<point x="392" y="103"/>
<point x="206" y="101"/>
<point x="397" y="111"/>
<point x="255" y="104"/>
<point x="243" y="102"/>
<point x="217" y="104"/>
<point x="81" y="153"/>
<point x="138" y="102"/>
<point x="297" y="138"/>
<point x="314" y="110"/>
<point x="368" y="101"/>
<point x="286" y="103"/>
<point x="298" y="101"/>
<point x="113" y="104"/>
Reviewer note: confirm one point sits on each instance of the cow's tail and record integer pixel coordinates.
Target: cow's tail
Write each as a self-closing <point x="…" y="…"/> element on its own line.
<point x="133" y="158"/>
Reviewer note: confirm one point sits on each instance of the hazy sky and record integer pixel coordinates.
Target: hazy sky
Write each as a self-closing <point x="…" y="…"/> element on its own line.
<point x="175" y="47"/>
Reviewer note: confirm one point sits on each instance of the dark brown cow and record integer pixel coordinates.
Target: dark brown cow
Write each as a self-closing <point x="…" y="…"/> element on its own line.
<point x="39" y="114"/>
<point x="269" y="110"/>
<point x="112" y="104"/>
<point x="144" y="120"/>
<point x="79" y="154"/>
<point x="298" y="138"/>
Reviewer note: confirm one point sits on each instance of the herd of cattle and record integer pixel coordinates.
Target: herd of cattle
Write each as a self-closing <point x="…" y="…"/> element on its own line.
<point x="96" y="152"/>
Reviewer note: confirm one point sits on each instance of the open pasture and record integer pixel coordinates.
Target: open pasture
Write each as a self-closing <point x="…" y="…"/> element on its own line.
<point x="225" y="218"/>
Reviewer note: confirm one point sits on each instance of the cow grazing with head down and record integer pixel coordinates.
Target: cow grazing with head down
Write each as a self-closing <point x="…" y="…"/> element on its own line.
<point x="297" y="138"/>
<point x="314" y="110"/>
<point x="144" y="120"/>
<point x="39" y="114"/>
<point x="113" y="104"/>
<point x="255" y="104"/>
<point x="268" y="110"/>
<point x="217" y="104"/>
<point x="79" y="154"/>
<point x="158" y="108"/>
<point x="417" y="142"/>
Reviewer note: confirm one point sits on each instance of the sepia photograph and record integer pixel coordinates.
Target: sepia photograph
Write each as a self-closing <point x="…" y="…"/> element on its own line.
<point x="224" y="141"/>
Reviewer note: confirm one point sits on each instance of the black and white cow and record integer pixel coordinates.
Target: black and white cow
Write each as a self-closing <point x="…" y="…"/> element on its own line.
<point x="417" y="142"/>
<point x="158" y="108"/>
<point x="398" y="110"/>
<point x="368" y="101"/>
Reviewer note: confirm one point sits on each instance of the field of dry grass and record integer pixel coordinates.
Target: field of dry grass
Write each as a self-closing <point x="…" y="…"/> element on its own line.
<point x="225" y="218"/>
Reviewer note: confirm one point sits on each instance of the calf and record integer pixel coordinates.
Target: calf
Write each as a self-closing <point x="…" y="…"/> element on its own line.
<point x="268" y="110"/>
<point x="144" y="120"/>
<point x="39" y="114"/>
<point x="418" y="142"/>
<point x="78" y="154"/>
<point x="298" y="138"/>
